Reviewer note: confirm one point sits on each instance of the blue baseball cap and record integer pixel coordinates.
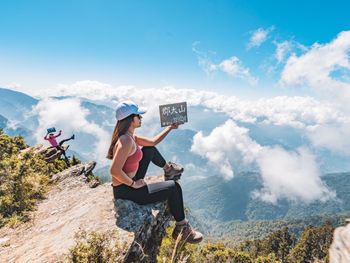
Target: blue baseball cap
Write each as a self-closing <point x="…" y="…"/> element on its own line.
<point x="126" y="108"/>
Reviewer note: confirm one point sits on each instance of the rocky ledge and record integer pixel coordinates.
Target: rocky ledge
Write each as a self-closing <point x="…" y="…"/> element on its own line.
<point x="72" y="205"/>
<point x="50" y="153"/>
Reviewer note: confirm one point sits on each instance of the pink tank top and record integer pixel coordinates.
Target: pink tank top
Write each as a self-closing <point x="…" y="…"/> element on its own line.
<point x="132" y="162"/>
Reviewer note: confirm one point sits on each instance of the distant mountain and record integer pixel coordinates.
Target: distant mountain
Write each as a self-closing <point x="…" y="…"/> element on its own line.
<point x="12" y="131"/>
<point x="214" y="200"/>
<point x="3" y="122"/>
<point x="100" y="114"/>
<point x="15" y="105"/>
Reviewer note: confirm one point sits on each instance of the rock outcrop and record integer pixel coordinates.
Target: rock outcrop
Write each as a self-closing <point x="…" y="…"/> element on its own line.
<point x="340" y="248"/>
<point x="148" y="223"/>
<point x="50" y="153"/>
<point x="72" y="206"/>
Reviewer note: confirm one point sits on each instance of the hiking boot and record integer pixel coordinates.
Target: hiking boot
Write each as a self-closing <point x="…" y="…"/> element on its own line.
<point x="72" y="138"/>
<point x="187" y="234"/>
<point x="173" y="172"/>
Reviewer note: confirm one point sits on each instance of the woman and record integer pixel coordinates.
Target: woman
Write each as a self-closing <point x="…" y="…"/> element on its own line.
<point x="52" y="140"/>
<point x="129" y="166"/>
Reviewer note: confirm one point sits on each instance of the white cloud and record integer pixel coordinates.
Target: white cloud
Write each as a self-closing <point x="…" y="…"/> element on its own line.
<point x="282" y="49"/>
<point x="69" y="116"/>
<point x="285" y="48"/>
<point x="225" y="145"/>
<point x="331" y="136"/>
<point x="232" y="66"/>
<point x="314" y="68"/>
<point x="259" y="36"/>
<point x="298" y="112"/>
<point x="285" y="175"/>
<point x="13" y="85"/>
<point x="290" y="175"/>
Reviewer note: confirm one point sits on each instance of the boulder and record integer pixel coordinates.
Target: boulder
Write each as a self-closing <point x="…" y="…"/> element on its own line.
<point x="147" y="222"/>
<point x="50" y="153"/>
<point x="339" y="251"/>
<point x="83" y="170"/>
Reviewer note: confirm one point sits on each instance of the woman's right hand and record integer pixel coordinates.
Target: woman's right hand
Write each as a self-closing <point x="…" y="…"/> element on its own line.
<point x="139" y="183"/>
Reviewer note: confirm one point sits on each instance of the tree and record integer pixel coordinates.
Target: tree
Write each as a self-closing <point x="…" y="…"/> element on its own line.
<point x="278" y="243"/>
<point x="313" y="245"/>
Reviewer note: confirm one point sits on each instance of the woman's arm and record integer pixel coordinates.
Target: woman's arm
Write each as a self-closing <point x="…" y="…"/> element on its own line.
<point x="144" y="141"/>
<point x="59" y="134"/>
<point x="121" y="153"/>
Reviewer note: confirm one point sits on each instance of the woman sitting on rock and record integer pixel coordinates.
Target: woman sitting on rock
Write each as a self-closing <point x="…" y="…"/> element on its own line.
<point x="129" y="166"/>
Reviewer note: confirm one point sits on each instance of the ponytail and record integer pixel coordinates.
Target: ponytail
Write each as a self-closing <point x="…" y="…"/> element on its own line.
<point x="120" y="129"/>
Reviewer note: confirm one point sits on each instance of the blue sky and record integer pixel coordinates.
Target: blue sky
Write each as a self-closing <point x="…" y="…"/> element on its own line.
<point x="151" y="43"/>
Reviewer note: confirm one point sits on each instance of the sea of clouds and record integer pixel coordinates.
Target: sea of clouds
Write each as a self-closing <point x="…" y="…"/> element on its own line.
<point x="285" y="173"/>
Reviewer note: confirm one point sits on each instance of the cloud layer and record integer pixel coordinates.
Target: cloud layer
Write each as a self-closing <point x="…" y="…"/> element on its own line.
<point x="297" y="112"/>
<point x="285" y="174"/>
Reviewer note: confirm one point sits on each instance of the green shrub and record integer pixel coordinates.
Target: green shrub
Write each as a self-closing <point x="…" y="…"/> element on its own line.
<point x="23" y="179"/>
<point x="170" y="251"/>
<point x="75" y="160"/>
<point x="278" y="247"/>
<point x="271" y="258"/>
<point x="96" y="247"/>
<point x="218" y="252"/>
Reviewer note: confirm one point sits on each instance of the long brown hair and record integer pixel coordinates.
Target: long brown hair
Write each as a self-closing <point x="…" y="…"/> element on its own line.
<point x="120" y="128"/>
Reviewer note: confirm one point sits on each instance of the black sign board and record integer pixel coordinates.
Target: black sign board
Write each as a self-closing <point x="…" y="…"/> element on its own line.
<point x="173" y="113"/>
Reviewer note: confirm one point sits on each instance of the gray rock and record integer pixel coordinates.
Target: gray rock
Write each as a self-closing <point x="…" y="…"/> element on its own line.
<point x="50" y="153"/>
<point x="4" y="241"/>
<point x="148" y="222"/>
<point x="84" y="169"/>
<point x="339" y="251"/>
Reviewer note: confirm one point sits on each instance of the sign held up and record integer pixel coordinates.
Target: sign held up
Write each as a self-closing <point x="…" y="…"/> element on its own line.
<point x="173" y="113"/>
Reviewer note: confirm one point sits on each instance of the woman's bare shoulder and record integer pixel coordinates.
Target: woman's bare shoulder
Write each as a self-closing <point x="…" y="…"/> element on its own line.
<point x="124" y="141"/>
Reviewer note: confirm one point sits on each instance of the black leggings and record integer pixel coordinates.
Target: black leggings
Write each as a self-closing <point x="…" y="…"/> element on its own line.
<point x="63" y="141"/>
<point x="59" y="146"/>
<point x="168" y="190"/>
